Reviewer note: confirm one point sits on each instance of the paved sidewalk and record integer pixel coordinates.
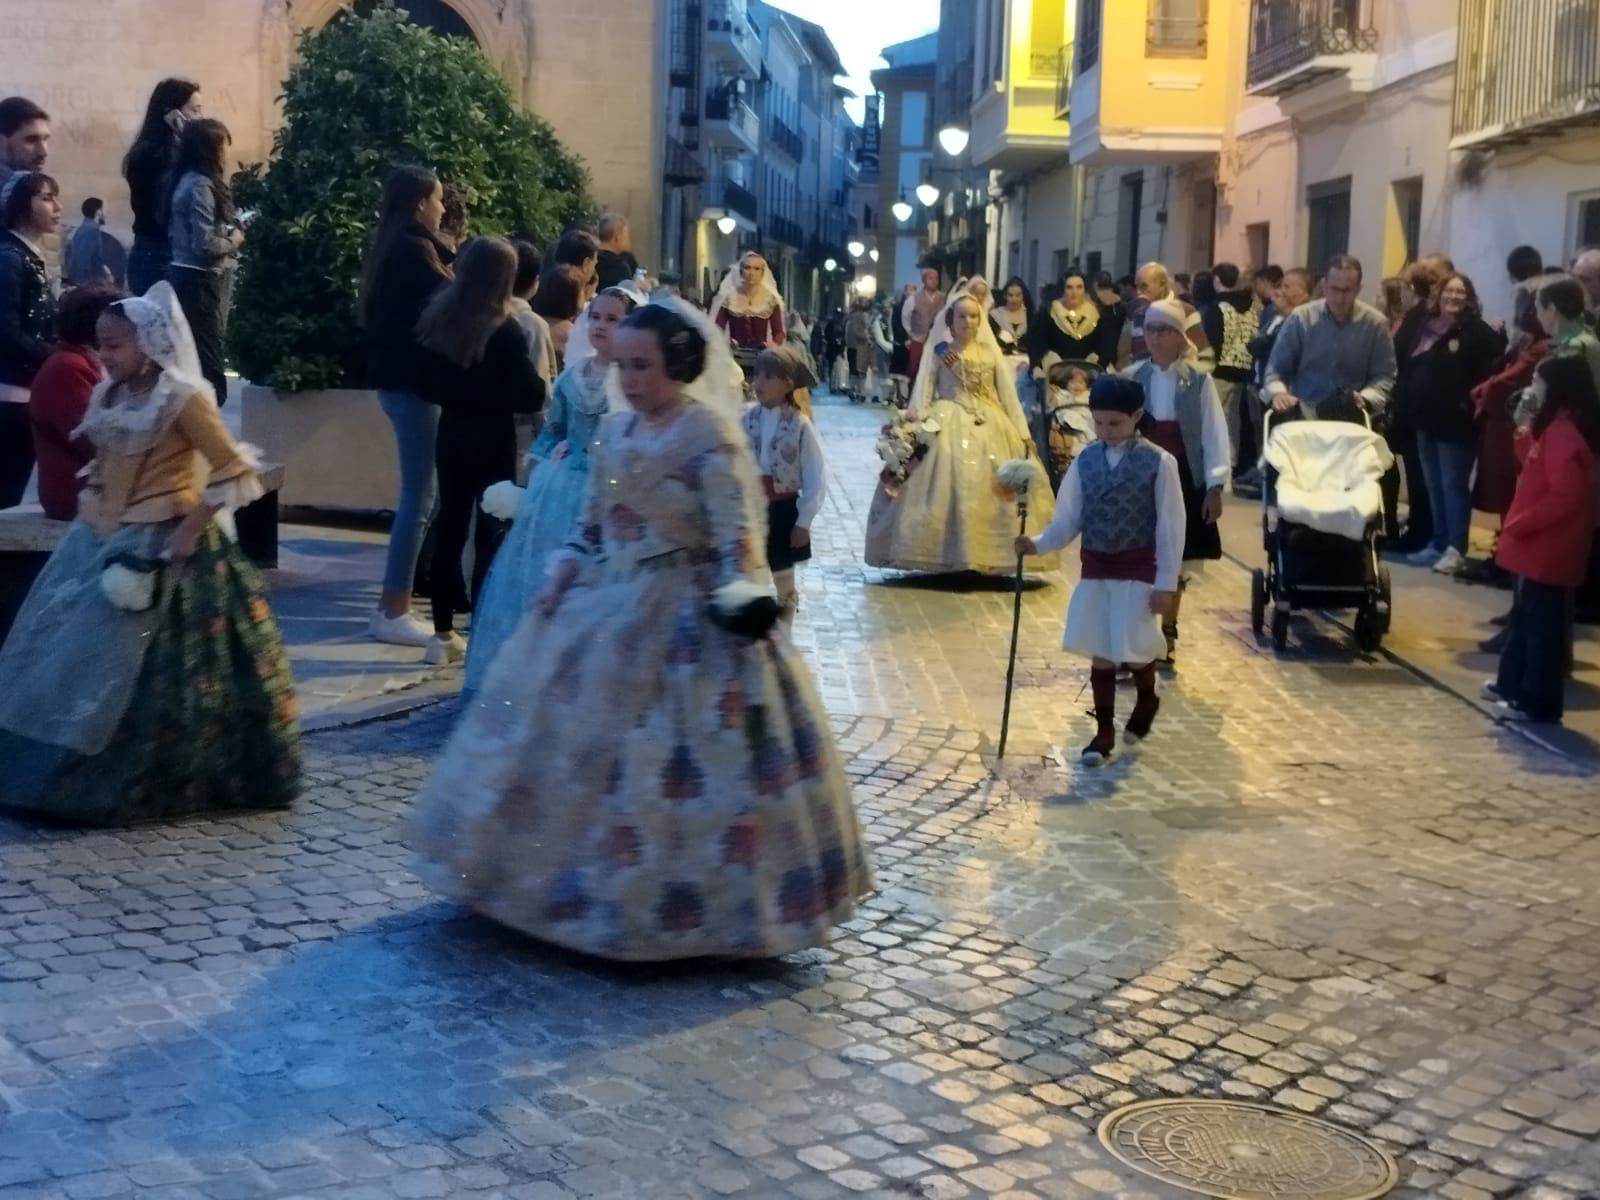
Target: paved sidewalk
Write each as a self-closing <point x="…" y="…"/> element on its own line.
<point x="1323" y="884"/>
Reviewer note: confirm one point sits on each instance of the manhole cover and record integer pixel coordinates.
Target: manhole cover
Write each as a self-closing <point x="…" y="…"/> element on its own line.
<point x="1238" y="1151"/>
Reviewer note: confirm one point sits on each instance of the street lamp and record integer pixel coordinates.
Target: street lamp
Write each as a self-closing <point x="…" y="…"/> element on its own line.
<point x="901" y="209"/>
<point x="726" y="225"/>
<point x="927" y="193"/>
<point x="830" y="264"/>
<point x="857" y="249"/>
<point x="954" y="139"/>
<point x="873" y="254"/>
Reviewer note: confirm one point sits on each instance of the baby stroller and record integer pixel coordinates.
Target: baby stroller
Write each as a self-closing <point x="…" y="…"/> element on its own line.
<point x="1322" y="516"/>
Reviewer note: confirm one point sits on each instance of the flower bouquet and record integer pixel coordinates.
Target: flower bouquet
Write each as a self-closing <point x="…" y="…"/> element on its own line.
<point x="902" y="445"/>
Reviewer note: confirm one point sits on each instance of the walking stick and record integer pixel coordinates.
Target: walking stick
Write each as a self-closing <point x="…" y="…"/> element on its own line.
<point x="1022" y="477"/>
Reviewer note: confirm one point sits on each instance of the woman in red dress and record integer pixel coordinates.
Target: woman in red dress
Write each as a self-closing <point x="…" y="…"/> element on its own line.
<point x="748" y="308"/>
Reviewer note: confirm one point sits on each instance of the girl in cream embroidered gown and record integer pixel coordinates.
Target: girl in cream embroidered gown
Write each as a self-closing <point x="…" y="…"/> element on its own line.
<point x="951" y="514"/>
<point x="635" y="781"/>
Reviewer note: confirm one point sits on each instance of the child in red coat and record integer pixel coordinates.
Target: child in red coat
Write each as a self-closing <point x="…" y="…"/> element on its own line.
<point x="1546" y="538"/>
<point x="60" y="397"/>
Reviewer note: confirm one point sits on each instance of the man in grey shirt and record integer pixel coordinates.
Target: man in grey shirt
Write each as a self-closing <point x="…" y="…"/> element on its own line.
<point x="1331" y="348"/>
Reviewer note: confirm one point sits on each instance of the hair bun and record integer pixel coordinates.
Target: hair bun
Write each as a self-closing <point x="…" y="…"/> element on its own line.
<point x="683" y="347"/>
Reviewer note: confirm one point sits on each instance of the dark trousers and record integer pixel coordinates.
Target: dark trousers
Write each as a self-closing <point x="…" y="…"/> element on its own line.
<point x="1533" y="666"/>
<point x="468" y="462"/>
<point x="1419" y="521"/>
<point x="16" y="453"/>
<point x="148" y="263"/>
<point x="204" y="297"/>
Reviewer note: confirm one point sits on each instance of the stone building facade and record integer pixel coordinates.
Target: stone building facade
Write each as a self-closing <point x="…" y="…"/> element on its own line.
<point x="593" y="68"/>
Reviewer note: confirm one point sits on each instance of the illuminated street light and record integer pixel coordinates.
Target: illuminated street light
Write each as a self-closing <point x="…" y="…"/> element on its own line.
<point x="954" y="139"/>
<point x="873" y="254"/>
<point x="867" y="286"/>
<point x="727" y="224"/>
<point x="901" y="208"/>
<point x="830" y="264"/>
<point x="857" y="249"/>
<point x="927" y="193"/>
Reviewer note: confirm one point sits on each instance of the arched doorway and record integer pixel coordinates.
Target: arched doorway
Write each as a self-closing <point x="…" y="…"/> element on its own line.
<point x="436" y="15"/>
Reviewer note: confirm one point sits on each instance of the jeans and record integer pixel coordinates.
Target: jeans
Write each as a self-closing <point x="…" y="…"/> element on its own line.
<point x="1447" y="470"/>
<point x="147" y="263"/>
<point x="1533" y="667"/>
<point x="416" y="427"/>
<point x="1233" y="396"/>
<point x="206" y="297"/>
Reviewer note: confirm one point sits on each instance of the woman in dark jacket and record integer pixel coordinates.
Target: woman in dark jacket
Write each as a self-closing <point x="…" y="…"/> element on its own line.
<point x="475" y="365"/>
<point x="148" y="170"/>
<point x="405" y="267"/>
<point x="30" y="211"/>
<point x="1071" y="327"/>
<point x="1453" y="351"/>
<point x="204" y="236"/>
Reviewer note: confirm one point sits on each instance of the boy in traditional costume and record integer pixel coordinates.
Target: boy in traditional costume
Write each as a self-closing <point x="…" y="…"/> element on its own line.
<point x="1122" y="493"/>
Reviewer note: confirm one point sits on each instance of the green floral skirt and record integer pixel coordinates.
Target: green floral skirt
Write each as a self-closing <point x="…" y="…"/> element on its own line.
<point x="211" y="723"/>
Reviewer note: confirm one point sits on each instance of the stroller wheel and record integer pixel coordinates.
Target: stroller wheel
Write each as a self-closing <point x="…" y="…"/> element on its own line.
<point x="1280" y="629"/>
<point x="1386" y="599"/>
<point x="1369" y="629"/>
<point x="1258" y="601"/>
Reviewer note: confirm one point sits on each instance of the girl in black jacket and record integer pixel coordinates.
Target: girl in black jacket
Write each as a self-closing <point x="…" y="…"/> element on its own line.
<point x="1452" y="351"/>
<point x="474" y="364"/>
<point x="30" y="211"/>
<point x="405" y="267"/>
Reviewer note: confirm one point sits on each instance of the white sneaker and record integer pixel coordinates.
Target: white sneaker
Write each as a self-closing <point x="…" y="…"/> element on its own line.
<point x="1489" y="690"/>
<point x="1450" y="562"/>
<point x="404" y="630"/>
<point x="1510" y="713"/>
<point x="442" y="651"/>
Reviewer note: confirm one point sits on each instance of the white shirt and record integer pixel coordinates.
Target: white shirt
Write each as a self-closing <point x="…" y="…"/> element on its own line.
<point x="1171" y="516"/>
<point x="813" y="474"/>
<point x="1216" y="451"/>
<point x="541" y="349"/>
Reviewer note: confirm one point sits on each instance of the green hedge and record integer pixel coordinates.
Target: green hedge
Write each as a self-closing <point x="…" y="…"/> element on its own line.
<point x="368" y="92"/>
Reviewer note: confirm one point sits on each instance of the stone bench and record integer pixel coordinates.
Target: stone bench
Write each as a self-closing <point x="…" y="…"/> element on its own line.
<point x="28" y="538"/>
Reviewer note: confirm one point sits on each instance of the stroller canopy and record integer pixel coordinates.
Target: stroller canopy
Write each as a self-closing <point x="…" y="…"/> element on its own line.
<point x="1328" y="475"/>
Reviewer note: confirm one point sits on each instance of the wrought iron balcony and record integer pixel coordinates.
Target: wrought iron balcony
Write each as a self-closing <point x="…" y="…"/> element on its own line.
<point x="785" y="232"/>
<point x="1063" y="81"/>
<point x="1294" y="43"/>
<point x="786" y="138"/>
<point x="738" y="199"/>
<point x="1524" y="71"/>
<point x="726" y="108"/>
<point x="1090" y="18"/>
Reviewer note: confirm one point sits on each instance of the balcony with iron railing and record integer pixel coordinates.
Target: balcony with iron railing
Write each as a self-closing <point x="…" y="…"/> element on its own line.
<point x="785" y="232"/>
<point x="739" y="200"/>
<point x="1524" y="72"/>
<point x="1295" y="43"/>
<point x="730" y="36"/>
<point x="786" y="138"/>
<point x="729" y="117"/>
<point x="1064" y="61"/>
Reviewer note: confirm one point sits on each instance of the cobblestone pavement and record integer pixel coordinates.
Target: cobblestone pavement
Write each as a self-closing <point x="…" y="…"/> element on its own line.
<point x="1322" y="884"/>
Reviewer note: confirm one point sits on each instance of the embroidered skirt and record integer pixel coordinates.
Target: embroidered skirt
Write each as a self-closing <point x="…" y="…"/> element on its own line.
<point x="209" y="721"/>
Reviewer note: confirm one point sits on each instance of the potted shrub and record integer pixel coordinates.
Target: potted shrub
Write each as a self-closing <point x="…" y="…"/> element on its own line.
<point x="367" y="92"/>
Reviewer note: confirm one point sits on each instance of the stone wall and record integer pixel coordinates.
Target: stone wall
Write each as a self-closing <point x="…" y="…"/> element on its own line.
<point x="591" y="67"/>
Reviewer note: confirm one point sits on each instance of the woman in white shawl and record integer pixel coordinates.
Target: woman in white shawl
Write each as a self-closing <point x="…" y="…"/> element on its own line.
<point x="950" y="513"/>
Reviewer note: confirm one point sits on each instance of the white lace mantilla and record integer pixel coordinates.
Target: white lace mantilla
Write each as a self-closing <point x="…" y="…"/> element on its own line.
<point x="120" y="422"/>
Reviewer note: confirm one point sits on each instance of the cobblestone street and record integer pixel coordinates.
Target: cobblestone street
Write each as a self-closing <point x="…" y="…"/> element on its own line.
<point x="1323" y="884"/>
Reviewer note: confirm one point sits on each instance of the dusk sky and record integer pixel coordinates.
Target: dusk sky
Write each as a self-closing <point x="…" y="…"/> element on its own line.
<point x="862" y="28"/>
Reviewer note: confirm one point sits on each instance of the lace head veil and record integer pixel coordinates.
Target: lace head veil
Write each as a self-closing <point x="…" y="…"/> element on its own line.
<point x="164" y="335"/>
<point x="720" y="385"/>
<point x="940" y="338"/>
<point x="760" y="304"/>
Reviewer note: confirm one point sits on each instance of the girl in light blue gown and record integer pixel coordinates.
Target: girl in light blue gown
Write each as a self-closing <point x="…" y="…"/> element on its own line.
<point x="554" y="494"/>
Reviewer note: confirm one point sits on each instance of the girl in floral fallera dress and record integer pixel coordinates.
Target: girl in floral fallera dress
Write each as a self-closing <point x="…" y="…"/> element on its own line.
<point x="647" y="773"/>
<point x="144" y="676"/>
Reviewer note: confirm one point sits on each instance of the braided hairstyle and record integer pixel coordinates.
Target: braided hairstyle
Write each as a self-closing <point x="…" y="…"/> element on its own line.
<point x="683" y="347"/>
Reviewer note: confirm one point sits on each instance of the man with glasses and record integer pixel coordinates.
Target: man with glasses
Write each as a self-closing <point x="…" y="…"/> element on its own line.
<point x="1331" y="349"/>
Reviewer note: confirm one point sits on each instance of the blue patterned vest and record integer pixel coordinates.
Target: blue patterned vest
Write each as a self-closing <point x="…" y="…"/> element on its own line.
<point x="1119" y="504"/>
<point x="1191" y="414"/>
<point x="783" y="462"/>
